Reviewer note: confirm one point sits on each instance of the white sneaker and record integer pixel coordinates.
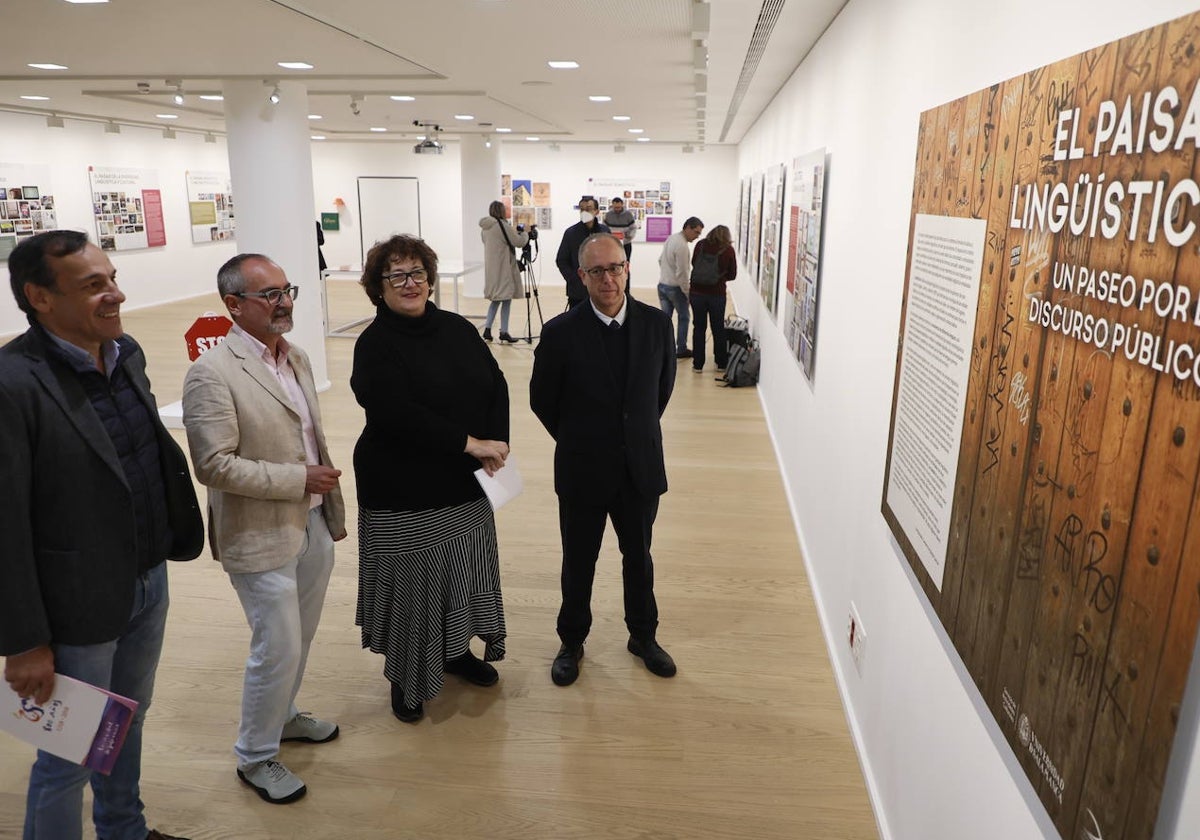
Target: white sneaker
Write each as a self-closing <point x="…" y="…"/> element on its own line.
<point x="272" y="781"/>
<point x="305" y="727"/>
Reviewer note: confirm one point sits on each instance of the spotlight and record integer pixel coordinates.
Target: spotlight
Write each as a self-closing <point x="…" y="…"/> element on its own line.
<point x="111" y="127"/>
<point x="274" y="97"/>
<point x="209" y="137"/>
<point x="354" y="100"/>
<point x="178" y="85"/>
<point x="168" y="134"/>
<point x="620" y="147"/>
<point x="54" y="121"/>
<point x="688" y="149"/>
<point x="487" y="142"/>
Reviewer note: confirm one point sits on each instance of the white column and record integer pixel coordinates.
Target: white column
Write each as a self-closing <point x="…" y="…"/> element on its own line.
<point x="480" y="172"/>
<point x="270" y="165"/>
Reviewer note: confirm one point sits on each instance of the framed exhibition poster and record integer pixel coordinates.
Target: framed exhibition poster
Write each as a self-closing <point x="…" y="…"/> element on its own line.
<point x="26" y="204"/>
<point x="772" y="237"/>
<point x="210" y="206"/>
<point x="127" y="207"/>
<point x="1044" y="450"/>
<point x="804" y="257"/>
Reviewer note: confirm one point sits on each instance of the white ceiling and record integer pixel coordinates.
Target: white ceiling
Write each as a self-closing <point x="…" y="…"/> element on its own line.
<point x="485" y="58"/>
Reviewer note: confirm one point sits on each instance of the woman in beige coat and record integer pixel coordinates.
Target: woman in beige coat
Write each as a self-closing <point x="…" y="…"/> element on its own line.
<point x="501" y="276"/>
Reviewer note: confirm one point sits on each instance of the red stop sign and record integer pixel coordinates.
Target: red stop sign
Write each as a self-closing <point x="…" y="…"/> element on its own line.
<point x="205" y="334"/>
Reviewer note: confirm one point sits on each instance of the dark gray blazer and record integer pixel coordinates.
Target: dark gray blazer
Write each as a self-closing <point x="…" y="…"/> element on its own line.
<point x="573" y="392"/>
<point x="67" y="529"/>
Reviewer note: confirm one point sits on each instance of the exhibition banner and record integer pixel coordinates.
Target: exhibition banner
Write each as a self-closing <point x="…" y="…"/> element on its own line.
<point x="804" y="257"/>
<point x="645" y="198"/>
<point x="1044" y="449"/>
<point x="772" y="237"/>
<point x="210" y="206"/>
<point x="26" y="204"/>
<point x="127" y="206"/>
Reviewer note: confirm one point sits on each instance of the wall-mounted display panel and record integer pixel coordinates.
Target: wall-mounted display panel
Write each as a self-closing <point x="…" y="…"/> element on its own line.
<point x="804" y="257"/>
<point x="127" y="207"/>
<point x="1044" y="452"/>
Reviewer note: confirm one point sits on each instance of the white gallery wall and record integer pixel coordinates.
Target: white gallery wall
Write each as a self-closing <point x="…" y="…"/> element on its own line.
<point x="180" y="269"/>
<point x="936" y="765"/>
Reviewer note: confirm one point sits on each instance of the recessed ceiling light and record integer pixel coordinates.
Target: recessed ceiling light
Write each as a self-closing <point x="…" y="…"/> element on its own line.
<point x="420" y="136"/>
<point x="600" y="98"/>
<point x="533" y="139"/>
<point x="464" y="117"/>
<point x="35" y="98"/>
<point x="167" y="116"/>
<point x="503" y="130"/>
<point x="212" y="97"/>
<point x="37" y="66"/>
<point x="564" y="65"/>
<point x="622" y="118"/>
<point x="403" y="98"/>
<point x="295" y="65"/>
<point x="636" y="130"/>
<point x="378" y="128"/>
<point x="643" y="139"/>
<point x="318" y="137"/>
<point x="315" y="117"/>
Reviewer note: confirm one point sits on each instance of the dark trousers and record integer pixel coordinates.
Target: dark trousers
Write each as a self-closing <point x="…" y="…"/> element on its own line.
<point x="582" y="528"/>
<point x="708" y="310"/>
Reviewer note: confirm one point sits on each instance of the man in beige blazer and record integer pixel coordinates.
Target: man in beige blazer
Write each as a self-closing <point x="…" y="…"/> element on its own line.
<point x="275" y="509"/>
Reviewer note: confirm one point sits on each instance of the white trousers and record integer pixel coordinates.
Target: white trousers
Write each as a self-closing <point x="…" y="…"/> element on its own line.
<point x="283" y="608"/>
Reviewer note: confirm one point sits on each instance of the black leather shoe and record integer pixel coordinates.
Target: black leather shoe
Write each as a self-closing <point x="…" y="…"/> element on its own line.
<point x="565" y="669"/>
<point x="505" y="338"/>
<point x="408" y="714"/>
<point x="487" y="334"/>
<point x="472" y="669"/>
<point x="657" y="660"/>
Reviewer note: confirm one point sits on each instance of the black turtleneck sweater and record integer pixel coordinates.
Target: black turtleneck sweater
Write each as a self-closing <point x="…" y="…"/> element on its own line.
<point x="425" y="383"/>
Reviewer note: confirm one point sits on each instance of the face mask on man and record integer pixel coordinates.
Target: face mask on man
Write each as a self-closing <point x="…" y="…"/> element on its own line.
<point x="586" y="217"/>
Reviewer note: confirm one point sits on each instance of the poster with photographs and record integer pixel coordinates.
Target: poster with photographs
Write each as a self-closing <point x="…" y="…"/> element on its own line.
<point x="743" y="219"/>
<point x="772" y="237"/>
<point x="643" y="197"/>
<point x="754" y="239"/>
<point x="127" y="205"/>
<point x="1043" y="458"/>
<point x="26" y="204"/>
<point x="522" y="193"/>
<point x="210" y="206"/>
<point x="526" y="202"/>
<point x="804" y="257"/>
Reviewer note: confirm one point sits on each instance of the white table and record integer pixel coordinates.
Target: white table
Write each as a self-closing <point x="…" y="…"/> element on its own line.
<point x="452" y="270"/>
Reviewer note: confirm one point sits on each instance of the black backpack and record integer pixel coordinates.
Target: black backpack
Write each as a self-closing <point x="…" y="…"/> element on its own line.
<point x="704" y="270"/>
<point x="741" y="370"/>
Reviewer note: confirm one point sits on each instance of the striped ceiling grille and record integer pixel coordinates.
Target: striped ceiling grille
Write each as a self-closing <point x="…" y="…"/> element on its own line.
<point x="767" y="16"/>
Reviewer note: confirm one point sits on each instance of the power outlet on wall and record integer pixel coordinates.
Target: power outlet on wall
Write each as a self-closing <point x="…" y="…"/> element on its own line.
<point x="857" y="638"/>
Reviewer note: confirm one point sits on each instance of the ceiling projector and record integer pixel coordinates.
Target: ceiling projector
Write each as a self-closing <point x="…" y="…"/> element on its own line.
<point x="428" y="147"/>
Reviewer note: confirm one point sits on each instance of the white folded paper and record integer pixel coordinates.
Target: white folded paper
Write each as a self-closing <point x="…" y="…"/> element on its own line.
<point x="504" y="486"/>
<point x="81" y="723"/>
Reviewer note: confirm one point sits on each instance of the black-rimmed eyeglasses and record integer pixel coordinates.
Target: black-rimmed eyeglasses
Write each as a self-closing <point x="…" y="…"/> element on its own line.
<point x="400" y="279"/>
<point x="272" y="296"/>
<point x="614" y="270"/>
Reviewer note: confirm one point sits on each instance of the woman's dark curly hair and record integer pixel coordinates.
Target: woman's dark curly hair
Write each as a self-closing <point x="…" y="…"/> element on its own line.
<point x="399" y="247"/>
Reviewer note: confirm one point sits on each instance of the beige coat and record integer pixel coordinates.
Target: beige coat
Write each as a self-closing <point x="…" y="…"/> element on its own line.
<point x="248" y="450"/>
<point x="501" y="277"/>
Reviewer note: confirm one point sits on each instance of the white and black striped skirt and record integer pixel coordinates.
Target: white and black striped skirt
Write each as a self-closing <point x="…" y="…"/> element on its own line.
<point x="428" y="582"/>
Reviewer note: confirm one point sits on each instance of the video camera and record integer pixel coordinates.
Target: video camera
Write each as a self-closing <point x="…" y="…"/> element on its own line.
<point x="527" y="255"/>
<point x="533" y="232"/>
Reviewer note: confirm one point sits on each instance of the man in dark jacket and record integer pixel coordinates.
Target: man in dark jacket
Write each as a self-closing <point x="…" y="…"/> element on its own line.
<point x="602" y="376"/>
<point x="568" y="250"/>
<point x="95" y="496"/>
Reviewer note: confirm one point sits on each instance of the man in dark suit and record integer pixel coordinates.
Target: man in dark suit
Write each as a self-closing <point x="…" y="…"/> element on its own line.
<point x="95" y="496"/>
<point x="602" y="375"/>
<point x="567" y="258"/>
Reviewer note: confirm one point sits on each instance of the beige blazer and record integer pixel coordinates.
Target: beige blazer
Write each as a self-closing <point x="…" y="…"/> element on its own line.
<point x="248" y="450"/>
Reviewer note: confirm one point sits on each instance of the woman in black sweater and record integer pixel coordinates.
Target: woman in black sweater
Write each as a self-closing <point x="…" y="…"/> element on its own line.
<point x="437" y="410"/>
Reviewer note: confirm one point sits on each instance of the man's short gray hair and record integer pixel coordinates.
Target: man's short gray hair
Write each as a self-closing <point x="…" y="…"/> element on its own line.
<point x="230" y="280"/>
<point x="596" y="237"/>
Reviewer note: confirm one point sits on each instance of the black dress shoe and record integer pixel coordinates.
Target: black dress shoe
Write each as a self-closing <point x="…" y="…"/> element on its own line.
<point x="472" y="669"/>
<point x="565" y="669"/>
<point x="408" y="714"/>
<point x="657" y="660"/>
<point x="505" y="338"/>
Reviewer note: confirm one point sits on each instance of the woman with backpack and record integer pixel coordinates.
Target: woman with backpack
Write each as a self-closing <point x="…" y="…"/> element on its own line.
<point x="714" y="264"/>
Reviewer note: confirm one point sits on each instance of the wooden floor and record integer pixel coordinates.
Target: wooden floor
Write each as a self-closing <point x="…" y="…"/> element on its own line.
<point x="748" y="741"/>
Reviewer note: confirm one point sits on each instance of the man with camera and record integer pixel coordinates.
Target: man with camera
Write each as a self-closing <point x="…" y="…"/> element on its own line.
<point x="568" y="250"/>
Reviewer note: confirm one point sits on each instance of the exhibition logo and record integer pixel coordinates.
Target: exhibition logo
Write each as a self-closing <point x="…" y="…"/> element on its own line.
<point x="29" y="711"/>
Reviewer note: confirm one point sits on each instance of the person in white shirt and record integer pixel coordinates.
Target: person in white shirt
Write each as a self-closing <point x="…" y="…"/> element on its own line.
<point x="675" y="269"/>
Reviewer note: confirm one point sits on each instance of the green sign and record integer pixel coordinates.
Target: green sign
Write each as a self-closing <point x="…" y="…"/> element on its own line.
<point x="330" y="221"/>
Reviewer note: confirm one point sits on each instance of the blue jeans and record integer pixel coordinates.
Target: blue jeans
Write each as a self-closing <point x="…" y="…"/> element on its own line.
<point x="503" y="306"/>
<point x="712" y="308"/>
<point x="672" y="299"/>
<point x="283" y="608"/>
<point x="125" y="666"/>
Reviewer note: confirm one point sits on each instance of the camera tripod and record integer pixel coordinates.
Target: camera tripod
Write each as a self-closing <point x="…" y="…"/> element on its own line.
<point x="530" y="284"/>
